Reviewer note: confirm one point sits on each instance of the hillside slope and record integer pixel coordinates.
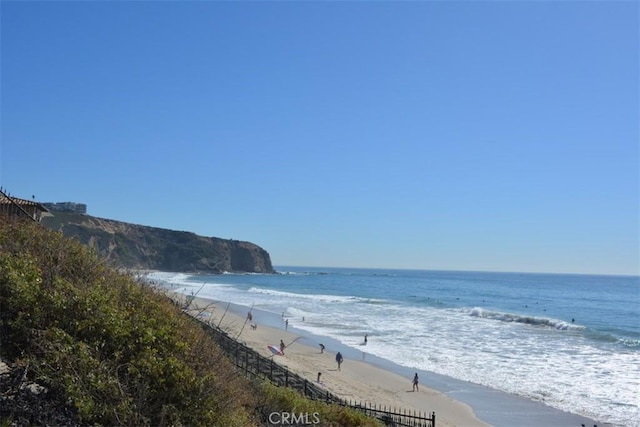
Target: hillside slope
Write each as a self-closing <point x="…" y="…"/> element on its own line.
<point x="84" y="344"/>
<point x="149" y="248"/>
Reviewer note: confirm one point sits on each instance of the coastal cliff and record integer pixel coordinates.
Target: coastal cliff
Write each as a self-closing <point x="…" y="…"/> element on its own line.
<point x="149" y="248"/>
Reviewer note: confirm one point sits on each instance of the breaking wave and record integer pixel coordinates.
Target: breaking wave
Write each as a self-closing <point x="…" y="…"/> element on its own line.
<point x="316" y="297"/>
<point x="528" y="320"/>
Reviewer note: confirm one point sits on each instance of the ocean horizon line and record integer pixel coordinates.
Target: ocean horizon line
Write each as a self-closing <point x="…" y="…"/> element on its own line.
<point x="437" y="270"/>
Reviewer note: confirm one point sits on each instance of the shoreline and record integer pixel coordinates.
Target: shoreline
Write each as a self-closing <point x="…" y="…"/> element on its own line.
<point x="357" y="380"/>
<point x="369" y="378"/>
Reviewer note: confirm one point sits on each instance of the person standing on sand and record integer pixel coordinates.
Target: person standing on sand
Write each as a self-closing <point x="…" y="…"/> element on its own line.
<point x="415" y="382"/>
<point x="286" y="325"/>
<point x="339" y="359"/>
<point x="282" y="346"/>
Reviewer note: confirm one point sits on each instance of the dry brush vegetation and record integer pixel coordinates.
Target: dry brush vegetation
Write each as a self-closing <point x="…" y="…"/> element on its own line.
<point x="109" y="349"/>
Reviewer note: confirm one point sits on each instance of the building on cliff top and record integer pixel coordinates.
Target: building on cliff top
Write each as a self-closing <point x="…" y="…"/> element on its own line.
<point x="79" y="208"/>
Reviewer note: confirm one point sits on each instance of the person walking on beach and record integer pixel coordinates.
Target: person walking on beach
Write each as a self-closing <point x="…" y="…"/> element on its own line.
<point x="339" y="359"/>
<point x="282" y="346"/>
<point x="321" y="348"/>
<point x="415" y="382"/>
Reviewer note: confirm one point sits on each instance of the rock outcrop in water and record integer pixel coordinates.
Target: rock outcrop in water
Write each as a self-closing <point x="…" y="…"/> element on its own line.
<point x="149" y="248"/>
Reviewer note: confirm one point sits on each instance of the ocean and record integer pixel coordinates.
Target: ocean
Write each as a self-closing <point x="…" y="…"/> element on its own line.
<point x="569" y="341"/>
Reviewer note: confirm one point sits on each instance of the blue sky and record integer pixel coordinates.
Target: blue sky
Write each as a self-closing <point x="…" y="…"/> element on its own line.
<point x="500" y="136"/>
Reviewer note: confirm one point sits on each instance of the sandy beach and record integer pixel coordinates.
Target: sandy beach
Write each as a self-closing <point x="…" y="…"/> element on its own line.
<point x="356" y="380"/>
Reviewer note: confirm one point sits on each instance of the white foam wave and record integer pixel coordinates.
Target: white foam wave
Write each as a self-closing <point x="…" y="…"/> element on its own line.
<point x="298" y="314"/>
<point x="489" y="353"/>
<point x="244" y="273"/>
<point x="629" y="342"/>
<point x="293" y="273"/>
<point x="169" y="278"/>
<point x="537" y="357"/>
<point x="315" y="297"/>
<point x="529" y="320"/>
<point x="175" y="280"/>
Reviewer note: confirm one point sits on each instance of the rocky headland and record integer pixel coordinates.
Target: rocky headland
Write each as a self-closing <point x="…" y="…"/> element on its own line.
<point x="142" y="247"/>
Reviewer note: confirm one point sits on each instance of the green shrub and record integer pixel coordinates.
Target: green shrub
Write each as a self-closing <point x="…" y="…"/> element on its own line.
<point x="119" y="351"/>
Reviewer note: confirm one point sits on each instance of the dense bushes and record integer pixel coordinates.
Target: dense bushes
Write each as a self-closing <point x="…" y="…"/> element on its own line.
<point x="112" y="346"/>
<point x="118" y="351"/>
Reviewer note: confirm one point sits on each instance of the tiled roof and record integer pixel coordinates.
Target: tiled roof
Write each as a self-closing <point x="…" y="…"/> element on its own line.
<point x="21" y="202"/>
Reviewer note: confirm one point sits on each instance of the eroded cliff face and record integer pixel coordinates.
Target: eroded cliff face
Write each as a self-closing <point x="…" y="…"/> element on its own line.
<point x="148" y="248"/>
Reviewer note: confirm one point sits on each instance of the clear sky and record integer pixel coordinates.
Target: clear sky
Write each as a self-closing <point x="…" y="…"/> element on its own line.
<point x="500" y="136"/>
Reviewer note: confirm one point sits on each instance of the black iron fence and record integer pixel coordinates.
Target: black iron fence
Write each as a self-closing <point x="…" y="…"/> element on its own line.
<point x="254" y="364"/>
